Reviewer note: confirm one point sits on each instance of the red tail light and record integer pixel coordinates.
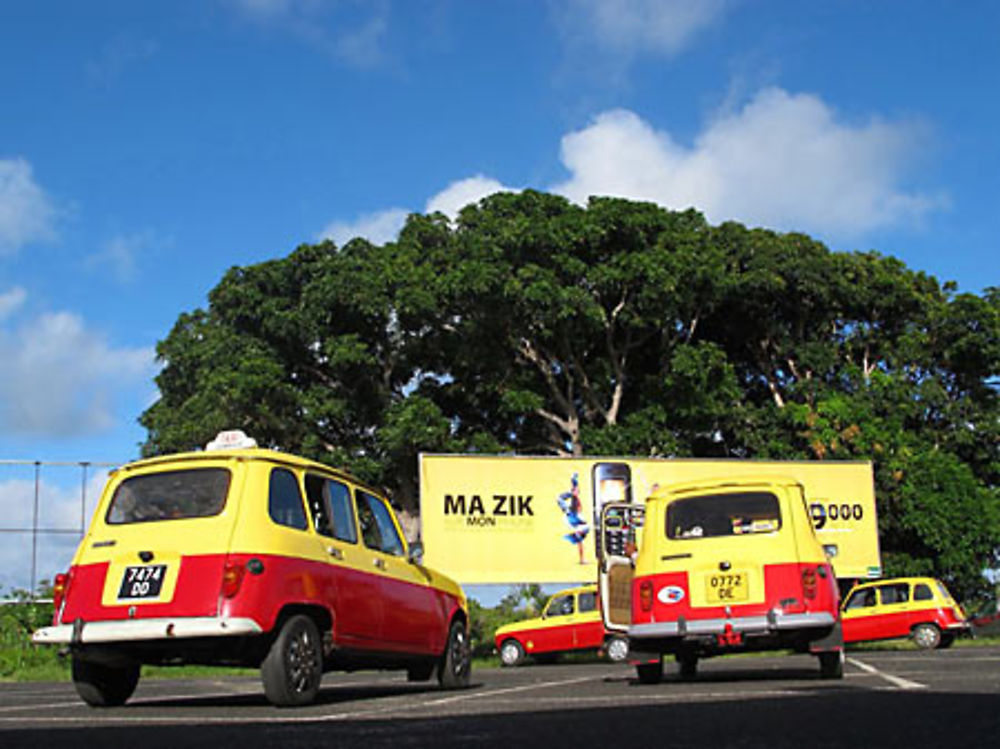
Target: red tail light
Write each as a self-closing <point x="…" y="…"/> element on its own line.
<point x="809" y="582"/>
<point x="59" y="587"/>
<point x="646" y="595"/>
<point x="232" y="578"/>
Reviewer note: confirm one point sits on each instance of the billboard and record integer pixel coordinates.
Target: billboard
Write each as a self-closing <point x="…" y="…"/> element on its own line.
<point x="516" y="519"/>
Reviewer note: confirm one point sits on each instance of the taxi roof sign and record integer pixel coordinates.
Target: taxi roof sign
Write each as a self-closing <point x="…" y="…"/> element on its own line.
<point x="231" y="439"/>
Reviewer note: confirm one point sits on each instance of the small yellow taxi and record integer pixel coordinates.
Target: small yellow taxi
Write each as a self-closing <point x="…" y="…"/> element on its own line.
<point x="237" y="555"/>
<point x="917" y="607"/>
<point x="571" y="621"/>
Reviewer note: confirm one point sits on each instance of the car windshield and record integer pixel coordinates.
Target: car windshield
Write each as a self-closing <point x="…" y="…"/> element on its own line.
<point x="169" y="495"/>
<point x="734" y="514"/>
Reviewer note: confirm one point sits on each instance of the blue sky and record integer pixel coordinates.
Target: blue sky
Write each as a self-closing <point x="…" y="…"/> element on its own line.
<point x="147" y="147"/>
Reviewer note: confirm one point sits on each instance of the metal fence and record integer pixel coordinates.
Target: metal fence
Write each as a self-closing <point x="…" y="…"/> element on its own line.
<point x="42" y="518"/>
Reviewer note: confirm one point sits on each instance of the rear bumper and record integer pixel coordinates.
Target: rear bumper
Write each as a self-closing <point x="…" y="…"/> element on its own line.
<point x="134" y="630"/>
<point x="747" y="625"/>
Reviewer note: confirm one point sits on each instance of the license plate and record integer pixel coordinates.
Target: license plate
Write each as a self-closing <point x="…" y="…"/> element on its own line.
<point x="726" y="587"/>
<point x="142" y="582"/>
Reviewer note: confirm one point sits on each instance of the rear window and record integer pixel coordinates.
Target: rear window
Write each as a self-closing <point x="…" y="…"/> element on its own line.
<point x="714" y="515"/>
<point x="170" y="495"/>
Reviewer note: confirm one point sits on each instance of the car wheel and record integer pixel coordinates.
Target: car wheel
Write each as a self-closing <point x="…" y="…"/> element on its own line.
<point x="947" y="640"/>
<point x="511" y="653"/>
<point x="100" y="685"/>
<point x="831" y="665"/>
<point x="617" y="649"/>
<point x="650" y="673"/>
<point x="926" y="636"/>
<point x="293" y="668"/>
<point x="455" y="665"/>
<point x="688" y="665"/>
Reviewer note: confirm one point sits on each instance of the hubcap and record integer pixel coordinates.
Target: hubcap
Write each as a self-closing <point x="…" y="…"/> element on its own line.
<point x="509" y="654"/>
<point x="302" y="660"/>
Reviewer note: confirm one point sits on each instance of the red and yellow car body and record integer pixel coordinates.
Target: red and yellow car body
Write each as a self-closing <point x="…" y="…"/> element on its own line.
<point x="205" y="557"/>
<point x="722" y="566"/>
<point x="916" y="607"/>
<point x="571" y="621"/>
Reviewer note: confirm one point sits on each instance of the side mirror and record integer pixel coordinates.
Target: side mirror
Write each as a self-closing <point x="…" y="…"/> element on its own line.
<point x="416" y="555"/>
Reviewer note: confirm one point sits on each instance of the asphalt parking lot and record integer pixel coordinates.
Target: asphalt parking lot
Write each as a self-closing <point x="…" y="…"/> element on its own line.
<point x="900" y="699"/>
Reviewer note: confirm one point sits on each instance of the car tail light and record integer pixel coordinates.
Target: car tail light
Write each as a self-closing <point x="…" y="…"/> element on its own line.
<point x="809" y="582"/>
<point x="646" y="595"/>
<point x="232" y="578"/>
<point x="59" y="587"/>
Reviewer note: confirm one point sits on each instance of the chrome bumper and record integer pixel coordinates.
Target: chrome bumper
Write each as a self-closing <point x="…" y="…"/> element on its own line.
<point x="747" y="625"/>
<point x="131" y="630"/>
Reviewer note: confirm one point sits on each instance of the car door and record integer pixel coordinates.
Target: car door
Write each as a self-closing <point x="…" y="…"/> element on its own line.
<point x="588" y="631"/>
<point x="412" y="619"/>
<point x="357" y="614"/>
<point x="859" y="615"/>
<point x="558" y="622"/>
<point x="895" y="611"/>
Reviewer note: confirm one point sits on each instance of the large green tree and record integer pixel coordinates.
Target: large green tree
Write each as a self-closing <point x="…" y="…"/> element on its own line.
<point x="535" y="325"/>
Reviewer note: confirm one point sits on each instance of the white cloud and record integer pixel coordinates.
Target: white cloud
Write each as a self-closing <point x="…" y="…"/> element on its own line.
<point x="10" y="301"/>
<point x="62" y="505"/>
<point x="461" y="193"/>
<point x="118" y="56"/>
<point x="352" y="32"/>
<point x="630" y="26"/>
<point x="26" y="212"/>
<point x="377" y="228"/>
<point x="61" y="379"/>
<point x="119" y="254"/>
<point x="783" y="161"/>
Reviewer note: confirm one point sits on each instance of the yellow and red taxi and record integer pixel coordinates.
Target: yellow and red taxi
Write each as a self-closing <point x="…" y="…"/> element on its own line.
<point x="916" y="607"/>
<point x="245" y="556"/>
<point x="570" y="621"/>
<point x="719" y="566"/>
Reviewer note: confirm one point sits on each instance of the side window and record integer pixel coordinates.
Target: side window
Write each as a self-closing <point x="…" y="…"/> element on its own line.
<point x="341" y="512"/>
<point x="284" y="502"/>
<point x="315" y="491"/>
<point x="377" y="528"/>
<point x="894" y="593"/>
<point x="861" y="599"/>
<point x="331" y="508"/>
<point x="588" y="602"/>
<point x="560" y="606"/>
<point x="922" y="592"/>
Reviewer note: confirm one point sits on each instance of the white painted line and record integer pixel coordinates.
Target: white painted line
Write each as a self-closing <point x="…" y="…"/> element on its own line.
<point x="896" y="681"/>
<point x="509" y="690"/>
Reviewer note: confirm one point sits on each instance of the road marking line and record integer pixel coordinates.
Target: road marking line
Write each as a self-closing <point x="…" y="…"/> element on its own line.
<point x="894" y="680"/>
<point x="508" y="690"/>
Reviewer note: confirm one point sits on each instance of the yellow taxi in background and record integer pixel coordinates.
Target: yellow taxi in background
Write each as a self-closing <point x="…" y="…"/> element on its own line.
<point x="237" y="555"/>
<point x="570" y="621"/>
<point x="916" y="607"/>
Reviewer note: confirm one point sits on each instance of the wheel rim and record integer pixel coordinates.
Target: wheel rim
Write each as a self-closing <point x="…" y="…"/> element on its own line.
<point x="303" y="659"/>
<point x="926" y="637"/>
<point x="510" y="654"/>
<point x="459" y="652"/>
<point x="617" y="650"/>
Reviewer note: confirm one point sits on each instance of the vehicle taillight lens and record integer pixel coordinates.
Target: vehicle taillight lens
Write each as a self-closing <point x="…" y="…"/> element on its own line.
<point x="59" y="587"/>
<point x="646" y="595"/>
<point x="809" y="582"/>
<point x="232" y="578"/>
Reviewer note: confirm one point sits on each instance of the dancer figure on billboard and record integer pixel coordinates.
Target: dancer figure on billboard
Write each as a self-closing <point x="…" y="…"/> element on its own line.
<point x="569" y="503"/>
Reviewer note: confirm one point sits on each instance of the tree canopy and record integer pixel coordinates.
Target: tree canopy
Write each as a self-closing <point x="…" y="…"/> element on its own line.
<point x="530" y="324"/>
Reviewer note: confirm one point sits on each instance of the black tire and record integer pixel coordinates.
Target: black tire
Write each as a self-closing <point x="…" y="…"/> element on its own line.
<point x="293" y="668"/>
<point x="546" y="659"/>
<point x="650" y="673"/>
<point x="511" y="653"/>
<point x="455" y="665"/>
<point x="947" y="640"/>
<point x="926" y="636"/>
<point x="688" y="663"/>
<point x="420" y="672"/>
<point x="831" y="665"/>
<point x="100" y="685"/>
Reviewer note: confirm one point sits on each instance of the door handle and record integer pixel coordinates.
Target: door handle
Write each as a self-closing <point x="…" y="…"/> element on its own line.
<point x="335" y="552"/>
<point x="380" y="563"/>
